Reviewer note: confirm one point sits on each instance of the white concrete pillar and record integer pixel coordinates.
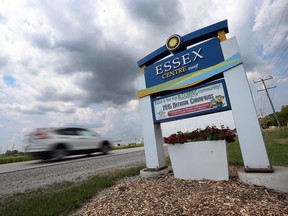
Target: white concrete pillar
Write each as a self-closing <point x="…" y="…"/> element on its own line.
<point x="245" y="117"/>
<point x="153" y="140"/>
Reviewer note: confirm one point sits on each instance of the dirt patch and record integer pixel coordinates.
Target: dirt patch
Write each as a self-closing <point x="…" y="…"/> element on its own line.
<point x="282" y="141"/>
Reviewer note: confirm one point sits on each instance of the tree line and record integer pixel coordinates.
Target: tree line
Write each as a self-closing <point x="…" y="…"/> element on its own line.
<point x="269" y="120"/>
<point x="12" y="153"/>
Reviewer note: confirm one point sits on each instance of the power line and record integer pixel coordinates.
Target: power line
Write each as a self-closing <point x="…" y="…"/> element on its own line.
<point x="263" y="68"/>
<point x="281" y="83"/>
<point x="281" y="58"/>
<point x="266" y="89"/>
<point x="276" y="30"/>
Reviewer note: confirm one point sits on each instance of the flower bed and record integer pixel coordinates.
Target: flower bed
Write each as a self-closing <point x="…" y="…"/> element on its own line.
<point x="209" y="133"/>
<point x="204" y="154"/>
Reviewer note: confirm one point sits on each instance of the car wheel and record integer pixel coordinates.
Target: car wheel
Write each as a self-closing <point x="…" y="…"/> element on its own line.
<point x="59" y="153"/>
<point x="105" y="148"/>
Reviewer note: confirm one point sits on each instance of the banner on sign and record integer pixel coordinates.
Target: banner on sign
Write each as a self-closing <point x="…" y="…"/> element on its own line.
<point x="202" y="100"/>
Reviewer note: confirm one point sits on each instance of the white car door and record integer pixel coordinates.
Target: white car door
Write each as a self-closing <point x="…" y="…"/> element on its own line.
<point x="68" y="136"/>
<point x="87" y="139"/>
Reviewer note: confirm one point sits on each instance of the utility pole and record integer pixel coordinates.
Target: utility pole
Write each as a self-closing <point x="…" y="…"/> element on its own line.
<point x="266" y="89"/>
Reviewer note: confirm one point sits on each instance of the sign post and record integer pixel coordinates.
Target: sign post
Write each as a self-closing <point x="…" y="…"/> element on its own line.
<point x="154" y="149"/>
<point x="245" y="117"/>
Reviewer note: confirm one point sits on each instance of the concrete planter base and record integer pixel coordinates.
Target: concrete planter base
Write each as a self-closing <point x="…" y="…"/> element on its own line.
<point x="200" y="160"/>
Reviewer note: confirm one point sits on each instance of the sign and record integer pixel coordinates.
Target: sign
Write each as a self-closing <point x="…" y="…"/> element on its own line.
<point x="192" y="79"/>
<point x="197" y="58"/>
<point x="204" y="99"/>
<point x="188" y="61"/>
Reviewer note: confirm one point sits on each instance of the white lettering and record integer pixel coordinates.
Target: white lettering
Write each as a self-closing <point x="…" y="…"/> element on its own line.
<point x="197" y="54"/>
<point x="167" y="66"/>
<point x="159" y="70"/>
<point x="176" y="63"/>
<point x="179" y="61"/>
<point x="186" y="59"/>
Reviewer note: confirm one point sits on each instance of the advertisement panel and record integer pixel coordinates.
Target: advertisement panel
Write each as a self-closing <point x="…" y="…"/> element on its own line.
<point x="188" y="61"/>
<point x="205" y="99"/>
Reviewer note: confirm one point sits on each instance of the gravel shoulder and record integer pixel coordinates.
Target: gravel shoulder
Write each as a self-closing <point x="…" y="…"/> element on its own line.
<point x="171" y="196"/>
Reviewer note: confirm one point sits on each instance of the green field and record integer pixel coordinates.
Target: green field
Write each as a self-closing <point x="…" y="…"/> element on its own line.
<point x="277" y="146"/>
<point x="14" y="158"/>
<point x="276" y="142"/>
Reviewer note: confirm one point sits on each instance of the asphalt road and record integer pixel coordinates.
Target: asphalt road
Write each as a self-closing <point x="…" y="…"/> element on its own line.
<point x="31" y="175"/>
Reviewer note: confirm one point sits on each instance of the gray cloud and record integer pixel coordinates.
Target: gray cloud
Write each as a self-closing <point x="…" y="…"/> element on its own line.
<point x="160" y="14"/>
<point x="3" y="61"/>
<point x="39" y="109"/>
<point x="113" y="80"/>
<point x="50" y="94"/>
<point x="113" y="67"/>
<point x="113" y="71"/>
<point x="43" y="108"/>
<point x="41" y="41"/>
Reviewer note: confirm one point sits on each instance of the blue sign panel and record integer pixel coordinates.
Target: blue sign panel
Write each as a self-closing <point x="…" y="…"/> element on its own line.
<point x="193" y="59"/>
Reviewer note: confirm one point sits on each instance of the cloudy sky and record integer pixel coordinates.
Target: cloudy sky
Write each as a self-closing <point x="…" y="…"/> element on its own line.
<point x="75" y="62"/>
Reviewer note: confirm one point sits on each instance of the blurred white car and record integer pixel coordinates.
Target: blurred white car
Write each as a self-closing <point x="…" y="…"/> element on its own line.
<point x="57" y="143"/>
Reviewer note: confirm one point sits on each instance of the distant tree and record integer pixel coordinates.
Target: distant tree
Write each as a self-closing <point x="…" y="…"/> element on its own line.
<point x="15" y="152"/>
<point x="268" y="121"/>
<point x="8" y="153"/>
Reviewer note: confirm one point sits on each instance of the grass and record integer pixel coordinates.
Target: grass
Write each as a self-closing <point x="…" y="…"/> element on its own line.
<point x="127" y="146"/>
<point x="15" y="158"/>
<point x="63" y="201"/>
<point x="60" y="200"/>
<point x="277" y="146"/>
<point x="234" y="154"/>
<point x="19" y="158"/>
<point x="276" y="142"/>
